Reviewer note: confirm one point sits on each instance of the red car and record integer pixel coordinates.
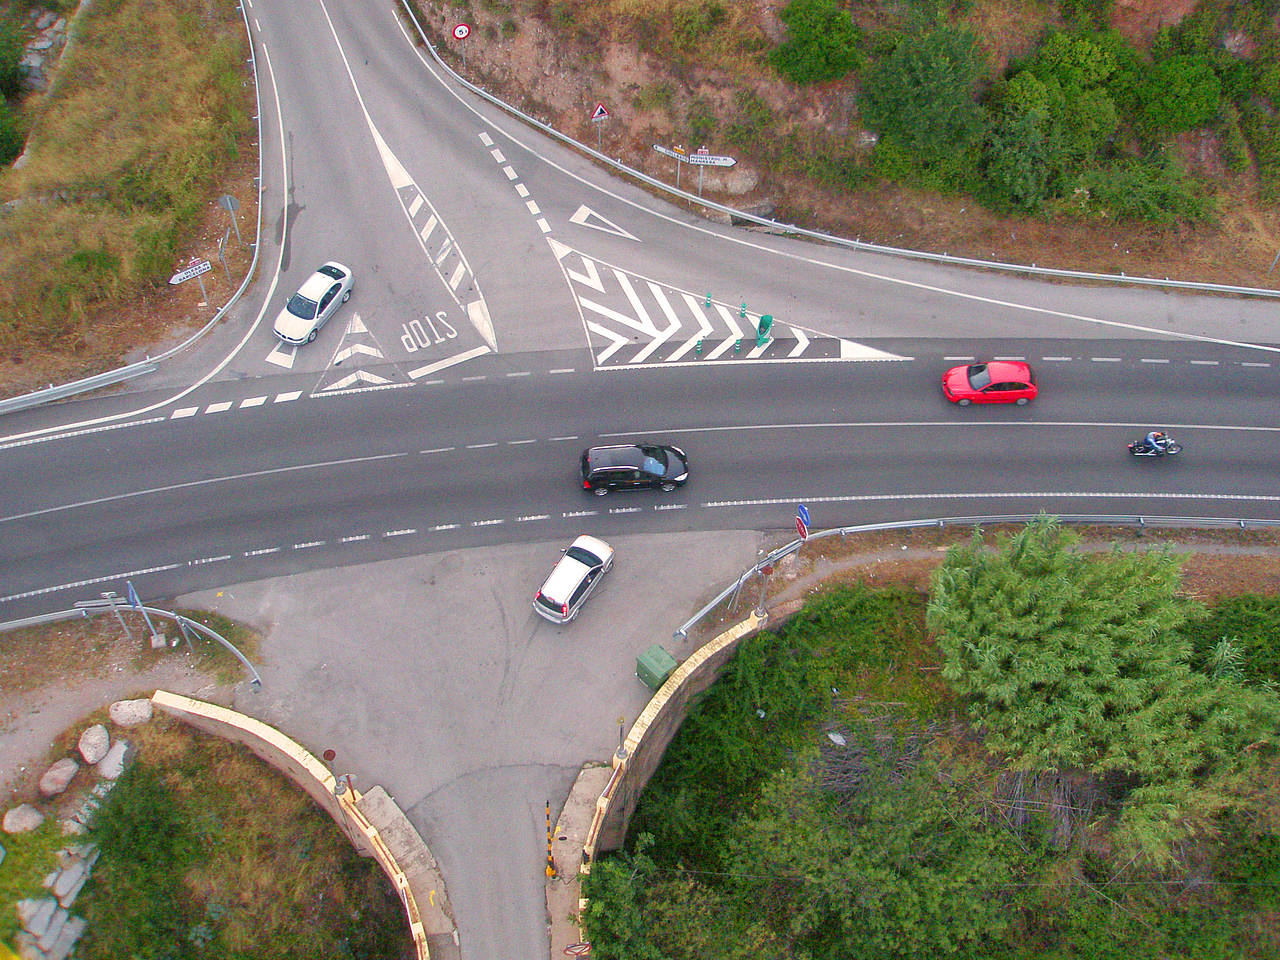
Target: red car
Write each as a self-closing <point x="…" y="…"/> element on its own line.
<point x="999" y="381"/>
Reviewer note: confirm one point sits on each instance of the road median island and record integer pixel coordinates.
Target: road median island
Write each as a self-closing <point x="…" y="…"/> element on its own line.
<point x="372" y="821"/>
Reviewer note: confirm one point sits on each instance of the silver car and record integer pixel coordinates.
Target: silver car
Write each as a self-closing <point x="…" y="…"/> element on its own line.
<point x="583" y="565"/>
<point x="315" y="302"/>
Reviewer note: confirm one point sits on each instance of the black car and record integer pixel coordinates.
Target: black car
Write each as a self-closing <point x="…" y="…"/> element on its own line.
<point x="633" y="466"/>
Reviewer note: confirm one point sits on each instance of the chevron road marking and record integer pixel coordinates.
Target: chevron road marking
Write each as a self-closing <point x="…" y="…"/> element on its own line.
<point x="360" y="376"/>
<point x="704" y="328"/>
<point x="282" y="355"/>
<point x="735" y="332"/>
<point x="354" y="349"/>
<point x="618" y="339"/>
<point x="673" y="324"/>
<point x="801" y="342"/>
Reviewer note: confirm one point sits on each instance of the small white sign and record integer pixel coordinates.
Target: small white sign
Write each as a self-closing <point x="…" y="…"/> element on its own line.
<point x="197" y="268"/>
<point x="710" y="160"/>
<point x="462" y="31"/>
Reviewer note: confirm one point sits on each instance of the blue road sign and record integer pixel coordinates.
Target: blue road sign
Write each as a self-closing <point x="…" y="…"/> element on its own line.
<point x="803" y="513"/>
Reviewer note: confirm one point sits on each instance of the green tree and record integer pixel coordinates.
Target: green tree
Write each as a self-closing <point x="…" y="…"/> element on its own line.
<point x="902" y="868"/>
<point x="921" y="93"/>
<point x="614" y="921"/>
<point x="1079" y="662"/>
<point x="1179" y="93"/>
<point x="821" y="44"/>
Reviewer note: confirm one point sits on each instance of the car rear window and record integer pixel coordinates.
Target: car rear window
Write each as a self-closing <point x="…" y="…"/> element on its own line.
<point x="331" y="271"/>
<point x="549" y="604"/>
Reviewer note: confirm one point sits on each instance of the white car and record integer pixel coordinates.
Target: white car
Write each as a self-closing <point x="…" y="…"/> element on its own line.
<point x="583" y="565"/>
<point x="315" y="302"/>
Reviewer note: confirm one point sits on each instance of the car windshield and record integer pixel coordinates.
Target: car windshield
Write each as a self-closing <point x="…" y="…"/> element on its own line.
<point x="583" y="556"/>
<point x="655" y="461"/>
<point x="300" y="306"/>
<point x="978" y="376"/>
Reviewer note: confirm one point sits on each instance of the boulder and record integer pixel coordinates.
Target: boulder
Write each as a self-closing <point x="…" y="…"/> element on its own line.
<point x="117" y="758"/>
<point x="94" y="743"/>
<point x="58" y="777"/>
<point x="22" y="819"/>
<point x="130" y="713"/>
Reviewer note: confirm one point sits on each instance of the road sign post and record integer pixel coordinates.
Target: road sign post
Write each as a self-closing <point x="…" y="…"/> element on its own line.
<point x="460" y="33"/>
<point x="197" y="268"/>
<point x="230" y="204"/>
<point x="598" y="116"/>
<point x="802" y="512"/>
<point x="802" y="528"/>
<point x="699" y="158"/>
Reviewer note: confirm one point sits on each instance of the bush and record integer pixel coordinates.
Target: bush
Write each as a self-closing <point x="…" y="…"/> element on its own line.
<point x="694" y="20"/>
<point x="11" y="140"/>
<point x="821" y="42"/>
<point x="1262" y="131"/>
<point x="11" y="42"/>
<point x="702" y="121"/>
<point x="1253" y="621"/>
<point x="1232" y="146"/>
<point x="1154" y="192"/>
<point x="1180" y="93"/>
<point x="752" y="126"/>
<point x="922" y="93"/>
<point x="1086" y="13"/>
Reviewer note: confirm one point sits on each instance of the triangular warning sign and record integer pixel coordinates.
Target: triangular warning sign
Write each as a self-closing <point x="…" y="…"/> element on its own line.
<point x="600" y="113"/>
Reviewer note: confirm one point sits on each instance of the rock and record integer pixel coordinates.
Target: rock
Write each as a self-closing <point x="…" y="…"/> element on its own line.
<point x="56" y="923"/>
<point x="36" y="914"/>
<point x="69" y="882"/>
<point x="46" y="20"/>
<point x="22" y="819"/>
<point x="58" y="777"/>
<point x="130" y="713"/>
<point x="116" y="760"/>
<point x="66" y="942"/>
<point x="94" y="743"/>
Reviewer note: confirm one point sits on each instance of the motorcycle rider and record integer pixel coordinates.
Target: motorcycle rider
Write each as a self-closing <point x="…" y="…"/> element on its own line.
<point x="1155" y="442"/>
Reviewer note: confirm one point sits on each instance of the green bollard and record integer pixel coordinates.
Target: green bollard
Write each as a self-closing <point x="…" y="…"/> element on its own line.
<point x="708" y="298"/>
<point x="737" y="345"/>
<point x="762" y="332"/>
<point x="742" y="311"/>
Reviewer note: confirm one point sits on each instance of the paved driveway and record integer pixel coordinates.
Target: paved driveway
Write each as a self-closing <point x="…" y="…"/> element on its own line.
<point x="433" y="677"/>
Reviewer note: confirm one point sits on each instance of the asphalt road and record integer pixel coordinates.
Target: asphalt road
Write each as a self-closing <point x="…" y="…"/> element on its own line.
<point x="513" y="304"/>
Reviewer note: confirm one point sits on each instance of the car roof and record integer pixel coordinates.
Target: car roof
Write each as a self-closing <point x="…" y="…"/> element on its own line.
<point x="319" y="282"/>
<point x="568" y="572"/>
<point x="624" y="455"/>
<point x="1003" y="370"/>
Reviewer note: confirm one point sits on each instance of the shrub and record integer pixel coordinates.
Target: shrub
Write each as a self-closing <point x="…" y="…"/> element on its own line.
<point x="922" y="93"/>
<point x="1154" y="192"/>
<point x="753" y="123"/>
<point x="1232" y="146"/>
<point x="11" y="41"/>
<point x="11" y="140"/>
<point x="1081" y="60"/>
<point x="1262" y="131"/>
<point x="1086" y="13"/>
<point x="1180" y="93"/>
<point x="694" y="20"/>
<point x="702" y="121"/>
<point x="655" y="96"/>
<point x="1254" y="621"/>
<point x="821" y="42"/>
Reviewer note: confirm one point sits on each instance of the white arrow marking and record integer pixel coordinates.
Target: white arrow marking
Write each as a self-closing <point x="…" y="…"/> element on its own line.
<point x="673" y="324"/>
<point x="618" y="340"/>
<point x="478" y="314"/>
<point x="360" y="376"/>
<point x="584" y="215"/>
<point x="282" y="356"/>
<point x="591" y="278"/>
<point x="356" y="326"/>
<point x="695" y="307"/>
<point x="802" y="342"/>
<point x="355" y="348"/>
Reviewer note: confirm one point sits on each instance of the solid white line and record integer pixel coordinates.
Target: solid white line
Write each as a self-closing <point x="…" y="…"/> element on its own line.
<point x="221" y="407"/>
<point x="850" y="424"/>
<point x="80" y="433"/>
<point x="253" y="402"/>
<point x="115" y="498"/>
<point x="449" y="362"/>
<point x="1060" y="494"/>
<point x="92" y="580"/>
<point x="184" y="412"/>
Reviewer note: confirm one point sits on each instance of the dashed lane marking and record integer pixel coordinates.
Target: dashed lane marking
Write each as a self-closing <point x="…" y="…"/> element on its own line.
<point x="220" y="407"/>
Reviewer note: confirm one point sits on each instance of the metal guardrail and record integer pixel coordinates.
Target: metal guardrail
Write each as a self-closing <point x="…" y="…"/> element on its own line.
<point x="1075" y="518"/>
<point x="149" y="365"/>
<point x="92" y="608"/>
<point x="791" y="228"/>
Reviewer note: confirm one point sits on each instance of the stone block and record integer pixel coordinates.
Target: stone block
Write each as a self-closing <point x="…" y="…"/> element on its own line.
<point x="94" y="743"/>
<point x="54" y="930"/>
<point x="130" y="713"/>
<point x="58" y="777"/>
<point x="22" y="819"/>
<point x="66" y="942"/>
<point x="117" y="758"/>
<point x="36" y="914"/>
<point x="28" y="949"/>
<point x="69" y="878"/>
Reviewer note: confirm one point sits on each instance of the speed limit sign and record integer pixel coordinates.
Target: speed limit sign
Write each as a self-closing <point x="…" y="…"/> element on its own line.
<point x="461" y="31"/>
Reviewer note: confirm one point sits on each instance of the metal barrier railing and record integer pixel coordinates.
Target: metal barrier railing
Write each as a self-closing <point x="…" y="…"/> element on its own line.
<point x="791" y="228"/>
<point x="149" y="365"/>
<point x="1135" y="520"/>
<point x="90" y="608"/>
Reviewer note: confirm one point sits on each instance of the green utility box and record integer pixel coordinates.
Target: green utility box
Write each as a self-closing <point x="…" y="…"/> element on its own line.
<point x="654" y="666"/>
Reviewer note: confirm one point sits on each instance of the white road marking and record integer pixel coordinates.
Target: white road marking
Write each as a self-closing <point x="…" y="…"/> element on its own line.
<point x="497" y="155"/>
<point x="802" y="343"/>
<point x="355" y="348"/>
<point x="536" y="516"/>
<point x="438" y="450"/>
<point x="220" y="407"/>
<point x="1008" y="358"/>
<point x="263" y="552"/>
<point x="79" y="433"/>
<point x="521" y="190"/>
<point x="1106" y="359"/>
<point x="356" y="539"/>
<point x="473" y="379"/>
<point x="516" y="443"/>
<point x="402" y="533"/>
<point x="428" y="227"/>
<point x="511" y="174"/>
<point x="480" y="446"/>
<point x="444" y="251"/>
<point x="670" y="506"/>
<point x="441" y="526"/>
<point x="964" y="424"/>
<point x="205" y="560"/>
<point x="704" y="328"/>
<point x="563" y="370"/>
<point x="1204" y="363"/>
<point x="182" y="412"/>
<point x="1105" y="495"/>
<point x="579" y="513"/>
<point x="281" y="355"/>
<point x="85" y="583"/>
<point x="459" y="272"/>
<point x="544" y="226"/>
<point x="1055" y="359"/>
<point x="415" y="205"/>
<point x="957" y="359"/>
<point x="586" y="217"/>
<point x="673" y="324"/>
<point x="309" y="544"/>
<point x="186" y="485"/>
<point x="532" y="207"/>
<point x="253" y="402"/>
<point x="1247" y="363"/>
<point x="624" y="510"/>
<point x="520" y="373"/>
<point x="1152" y="360"/>
<point x="286" y="397"/>
<point x="360" y="376"/>
<point x="448" y="362"/>
<point x="619" y="341"/>
<point x="563" y="438"/>
<point x="486" y="139"/>
<point x="489" y="523"/>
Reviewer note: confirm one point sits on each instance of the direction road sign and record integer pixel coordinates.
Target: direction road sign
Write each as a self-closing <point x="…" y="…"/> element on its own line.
<point x="803" y="513"/>
<point x="197" y="268"/>
<point x="710" y="160"/>
<point x="461" y="31"/>
<point x="802" y="528"/>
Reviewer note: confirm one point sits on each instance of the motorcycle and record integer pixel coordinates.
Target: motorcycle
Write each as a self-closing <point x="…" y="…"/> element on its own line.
<point x="1168" y="447"/>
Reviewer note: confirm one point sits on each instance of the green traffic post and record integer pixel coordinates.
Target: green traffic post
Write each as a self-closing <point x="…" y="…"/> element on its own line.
<point x="708" y="298"/>
<point x="737" y="345"/>
<point x="742" y="311"/>
<point x="762" y="332"/>
<point x="697" y="347"/>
